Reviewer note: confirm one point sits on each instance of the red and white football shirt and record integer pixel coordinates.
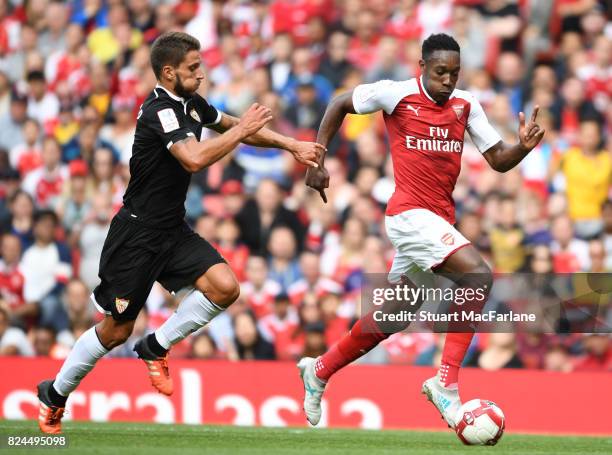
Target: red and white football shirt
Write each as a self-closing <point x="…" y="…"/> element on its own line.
<point x="426" y="141"/>
<point x="11" y="285"/>
<point x="45" y="185"/>
<point x="298" y="290"/>
<point x="260" y="300"/>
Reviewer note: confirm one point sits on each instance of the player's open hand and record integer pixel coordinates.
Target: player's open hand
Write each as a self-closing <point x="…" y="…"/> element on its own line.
<point x="531" y="134"/>
<point x="317" y="178"/>
<point x="254" y="119"/>
<point x="308" y="153"/>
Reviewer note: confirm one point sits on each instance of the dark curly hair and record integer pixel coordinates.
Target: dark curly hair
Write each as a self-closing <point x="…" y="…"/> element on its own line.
<point x="438" y="42"/>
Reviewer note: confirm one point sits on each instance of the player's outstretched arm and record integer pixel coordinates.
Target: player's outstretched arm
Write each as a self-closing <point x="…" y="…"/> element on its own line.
<point x="195" y="156"/>
<point x="318" y="178"/>
<point x="503" y="157"/>
<point x="307" y="153"/>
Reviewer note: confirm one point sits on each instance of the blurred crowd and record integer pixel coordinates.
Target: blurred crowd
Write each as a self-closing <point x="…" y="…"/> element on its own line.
<point x="73" y="75"/>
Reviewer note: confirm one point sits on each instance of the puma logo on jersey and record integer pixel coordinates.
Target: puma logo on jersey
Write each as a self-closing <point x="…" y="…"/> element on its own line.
<point x="413" y="109"/>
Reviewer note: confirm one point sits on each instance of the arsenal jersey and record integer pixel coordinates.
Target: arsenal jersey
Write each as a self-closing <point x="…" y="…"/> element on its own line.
<point x="426" y="141"/>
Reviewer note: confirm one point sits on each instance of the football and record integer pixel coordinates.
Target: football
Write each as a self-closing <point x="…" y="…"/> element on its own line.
<point x="480" y="422"/>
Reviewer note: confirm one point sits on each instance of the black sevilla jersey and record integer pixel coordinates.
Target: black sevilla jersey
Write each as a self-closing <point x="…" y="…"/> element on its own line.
<point x="158" y="185"/>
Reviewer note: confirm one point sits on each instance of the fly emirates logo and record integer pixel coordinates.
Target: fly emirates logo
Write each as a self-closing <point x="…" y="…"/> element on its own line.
<point x="438" y="142"/>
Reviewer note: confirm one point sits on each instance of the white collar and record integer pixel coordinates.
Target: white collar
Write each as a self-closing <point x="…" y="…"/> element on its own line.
<point x="170" y="94"/>
<point x="424" y="89"/>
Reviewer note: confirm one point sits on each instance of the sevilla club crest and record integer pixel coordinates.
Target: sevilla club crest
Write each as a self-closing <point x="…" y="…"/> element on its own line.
<point x="195" y="115"/>
<point x="121" y="304"/>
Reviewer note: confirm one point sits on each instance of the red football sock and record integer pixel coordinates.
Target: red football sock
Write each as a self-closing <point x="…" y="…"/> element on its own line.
<point x="364" y="336"/>
<point x="455" y="348"/>
<point x="456" y="345"/>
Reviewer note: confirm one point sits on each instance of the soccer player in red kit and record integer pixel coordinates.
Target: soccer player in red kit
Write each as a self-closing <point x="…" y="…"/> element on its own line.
<point x="426" y="119"/>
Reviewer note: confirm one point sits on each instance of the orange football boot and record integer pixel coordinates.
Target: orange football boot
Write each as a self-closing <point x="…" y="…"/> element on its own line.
<point x="159" y="375"/>
<point x="157" y="366"/>
<point x="49" y="416"/>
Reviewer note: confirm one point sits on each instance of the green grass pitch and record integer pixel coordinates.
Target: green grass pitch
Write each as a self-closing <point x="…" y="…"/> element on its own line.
<point x="149" y="439"/>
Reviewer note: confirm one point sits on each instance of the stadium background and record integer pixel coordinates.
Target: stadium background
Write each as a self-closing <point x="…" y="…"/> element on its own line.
<point x="73" y="75"/>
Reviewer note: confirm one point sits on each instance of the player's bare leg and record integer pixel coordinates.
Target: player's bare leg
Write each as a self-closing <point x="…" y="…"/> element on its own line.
<point x="214" y="291"/>
<point x="91" y="346"/>
<point x="315" y="373"/>
<point x="443" y="389"/>
<point x="364" y="336"/>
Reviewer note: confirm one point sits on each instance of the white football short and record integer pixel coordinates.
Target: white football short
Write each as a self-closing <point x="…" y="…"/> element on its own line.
<point x="422" y="241"/>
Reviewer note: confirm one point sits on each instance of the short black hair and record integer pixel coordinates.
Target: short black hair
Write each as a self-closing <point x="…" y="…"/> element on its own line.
<point x="282" y="297"/>
<point x="170" y="49"/>
<point x="35" y="75"/>
<point x="47" y="328"/>
<point x="589" y="116"/>
<point x="314" y="327"/>
<point x="46" y="214"/>
<point x="438" y="42"/>
<point x="18" y="96"/>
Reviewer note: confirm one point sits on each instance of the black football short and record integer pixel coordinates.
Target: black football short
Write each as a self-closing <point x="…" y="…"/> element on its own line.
<point x="135" y="256"/>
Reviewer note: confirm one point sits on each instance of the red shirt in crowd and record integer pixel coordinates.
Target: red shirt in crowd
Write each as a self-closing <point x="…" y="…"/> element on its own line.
<point x="260" y="301"/>
<point x="281" y="332"/>
<point x="11" y="285"/>
<point x="595" y="363"/>
<point x="236" y="257"/>
<point x="323" y="286"/>
<point x="292" y="16"/>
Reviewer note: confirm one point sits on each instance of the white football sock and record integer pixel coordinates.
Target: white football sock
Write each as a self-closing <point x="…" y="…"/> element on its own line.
<point x="84" y="355"/>
<point x="193" y="312"/>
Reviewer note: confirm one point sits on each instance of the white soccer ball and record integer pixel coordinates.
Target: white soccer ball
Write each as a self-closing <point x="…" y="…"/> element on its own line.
<point x="480" y="422"/>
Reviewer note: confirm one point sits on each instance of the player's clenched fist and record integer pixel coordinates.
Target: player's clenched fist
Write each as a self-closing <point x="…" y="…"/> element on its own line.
<point x="254" y="119"/>
<point x="318" y="179"/>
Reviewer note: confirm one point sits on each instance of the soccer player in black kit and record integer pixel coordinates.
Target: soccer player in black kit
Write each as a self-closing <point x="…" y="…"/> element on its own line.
<point x="148" y="239"/>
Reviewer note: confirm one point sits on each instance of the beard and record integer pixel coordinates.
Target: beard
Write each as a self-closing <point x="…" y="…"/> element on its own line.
<point x="180" y="89"/>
